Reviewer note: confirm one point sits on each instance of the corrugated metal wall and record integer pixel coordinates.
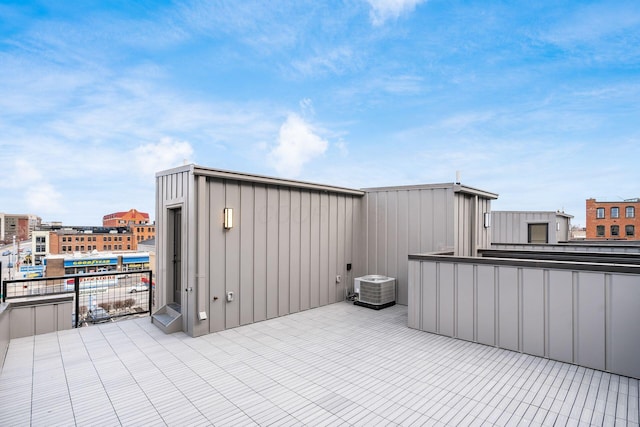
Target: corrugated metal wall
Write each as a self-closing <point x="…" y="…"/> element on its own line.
<point x="283" y="254"/>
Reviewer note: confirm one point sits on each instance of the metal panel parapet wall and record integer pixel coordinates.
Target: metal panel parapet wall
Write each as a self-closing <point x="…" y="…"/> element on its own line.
<point x="582" y="316"/>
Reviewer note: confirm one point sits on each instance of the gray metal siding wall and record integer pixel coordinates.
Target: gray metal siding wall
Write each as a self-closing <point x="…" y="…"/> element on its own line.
<point x="512" y="227"/>
<point x="399" y="222"/>
<point x="283" y="253"/>
<point x="470" y="233"/>
<point x="575" y="316"/>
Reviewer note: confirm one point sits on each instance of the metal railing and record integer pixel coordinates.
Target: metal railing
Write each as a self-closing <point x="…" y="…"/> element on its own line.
<point x="99" y="297"/>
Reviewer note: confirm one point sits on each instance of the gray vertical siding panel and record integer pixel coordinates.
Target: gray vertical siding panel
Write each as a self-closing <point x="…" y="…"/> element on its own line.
<point x="443" y="223"/>
<point x="415" y="294"/>
<point x="429" y="294"/>
<point x="392" y="236"/>
<point x="247" y="246"/>
<point x="465" y="304"/>
<point x="402" y="246"/>
<point x="446" y="300"/>
<point x="381" y="233"/>
<point x="324" y="249"/>
<point x="415" y="223"/>
<point x="217" y="255"/>
<point x="273" y="208"/>
<point x="232" y="251"/>
<point x="372" y="233"/>
<point x="350" y="238"/>
<point x="624" y="341"/>
<point x="561" y="316"/>
<point x="429" y="216"/>
<point x="260" y="254"/>
<point x="486" y="305"/>
<point x="333" y="241"/>
<point x="283" y="250"/>
<point x="533" y="313"/>
<point x="202" y="288"/>
<point x="589" y="325"/>
<point x="314" y="258"/>
<point x="508" y="308"/>
<point x="294" y="253"/>
<point x="340" y="248"/>
<point x="305" y="251"/>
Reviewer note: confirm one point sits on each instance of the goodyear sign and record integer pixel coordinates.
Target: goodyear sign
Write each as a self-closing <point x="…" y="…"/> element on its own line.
<point x="90" y="262"/>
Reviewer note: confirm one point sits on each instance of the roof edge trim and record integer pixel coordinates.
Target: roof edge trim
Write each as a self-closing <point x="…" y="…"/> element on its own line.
<point x="262" y="179"/>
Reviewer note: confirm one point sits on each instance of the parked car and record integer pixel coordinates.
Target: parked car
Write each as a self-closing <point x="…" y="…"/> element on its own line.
<point x="140" y="287"/>
<point x="5" y="253"/>
<point x="98" y="315"/>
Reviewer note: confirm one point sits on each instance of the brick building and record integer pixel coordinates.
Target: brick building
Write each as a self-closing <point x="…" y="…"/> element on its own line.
<point x="65" y="241"/>
<point x="613" y="220"/>
<point x="124" y="219"/>
<point x="143" y="232"/>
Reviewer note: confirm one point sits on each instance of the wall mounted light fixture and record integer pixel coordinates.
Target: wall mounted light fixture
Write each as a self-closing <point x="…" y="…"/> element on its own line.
<point x="228" y="218"/>
<point x="487" y="219"/>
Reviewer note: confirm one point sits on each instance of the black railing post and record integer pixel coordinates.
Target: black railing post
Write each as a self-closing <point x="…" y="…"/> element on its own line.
<point x="76" y="288"/>
<point x="150" y="275"/>
<point x="4" y="285"/>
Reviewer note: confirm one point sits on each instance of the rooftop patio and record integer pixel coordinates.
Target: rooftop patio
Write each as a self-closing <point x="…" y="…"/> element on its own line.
<point x="335" y="365"/>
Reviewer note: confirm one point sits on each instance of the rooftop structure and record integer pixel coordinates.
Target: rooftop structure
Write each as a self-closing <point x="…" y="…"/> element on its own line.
<point x="235" y="248"/>
<point x="530" y="227"/>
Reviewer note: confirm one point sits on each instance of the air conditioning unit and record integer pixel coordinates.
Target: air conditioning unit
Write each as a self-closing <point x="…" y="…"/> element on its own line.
<point x="375" y="291"/>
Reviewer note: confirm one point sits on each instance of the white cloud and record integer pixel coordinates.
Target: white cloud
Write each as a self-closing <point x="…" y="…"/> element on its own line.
<point x="382" y="10"/>
<point x="40" y="195"/>
<point x="298" y="144"/>
<point x="168" y="153"/>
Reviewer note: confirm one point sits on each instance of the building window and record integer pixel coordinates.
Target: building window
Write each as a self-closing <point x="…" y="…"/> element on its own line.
<point x="129" y="247"/>
<point x="600" y="231"/>
<point x="629" y="230"/>
<point x="615" y="212"/>
<point x="630" y="212"/>
<point x="600" y="213"/>
<point x="615" y="230"/>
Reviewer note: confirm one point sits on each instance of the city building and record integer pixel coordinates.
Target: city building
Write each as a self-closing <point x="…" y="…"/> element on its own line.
<point x="88" y="239"/>
<point x="613" y="220"/>
<point x="530" y="227"/>
<point x="142" y="232"/>
<point x="18" y="225"/>
<point x="124" y="219"/>
<point x="40" y="245"/>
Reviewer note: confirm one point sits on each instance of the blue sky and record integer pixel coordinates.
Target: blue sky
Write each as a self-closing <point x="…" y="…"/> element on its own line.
<point x="539" y="103"/>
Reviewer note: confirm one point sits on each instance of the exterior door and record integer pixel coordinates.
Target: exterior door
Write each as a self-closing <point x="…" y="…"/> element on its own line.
<point x="538" y="233"/>
<point x="175" y="253"/>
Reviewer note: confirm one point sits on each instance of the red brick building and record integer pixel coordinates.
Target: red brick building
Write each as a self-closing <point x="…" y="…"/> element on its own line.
<point x="613" y="220"/>
<point x="125" y="219"/>
<point x="143" y="232"/>
<point x="70" y="241"/>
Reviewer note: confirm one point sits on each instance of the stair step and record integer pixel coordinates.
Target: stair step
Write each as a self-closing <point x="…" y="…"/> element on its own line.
<point x="163" y="318"/>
